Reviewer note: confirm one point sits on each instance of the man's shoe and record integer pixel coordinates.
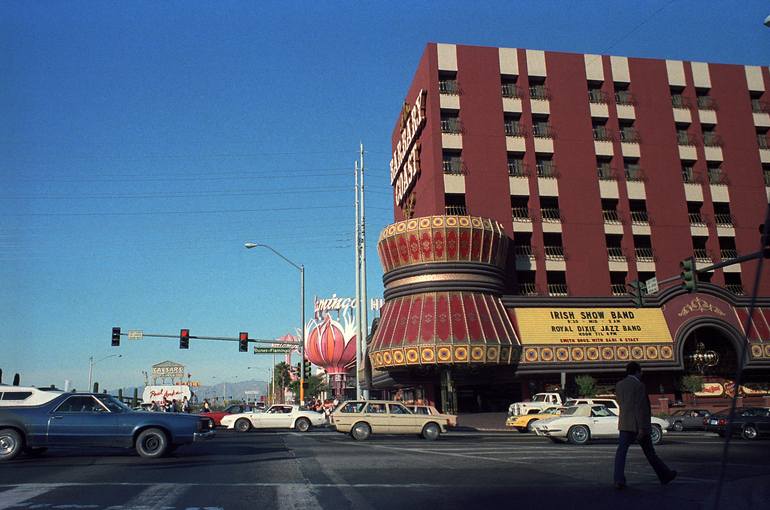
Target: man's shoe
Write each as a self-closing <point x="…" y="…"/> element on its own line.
<point x="669" y="478"/>
<point x="619" y="485"/>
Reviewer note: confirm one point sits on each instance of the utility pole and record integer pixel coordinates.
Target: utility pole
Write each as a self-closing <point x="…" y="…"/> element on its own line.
<point x="358" y="287"/>
<point x="364" y="306"/>
<point x="362" y="320"/>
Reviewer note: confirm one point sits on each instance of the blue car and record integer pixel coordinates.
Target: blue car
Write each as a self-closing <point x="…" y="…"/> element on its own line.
<point x="33" y="420"/>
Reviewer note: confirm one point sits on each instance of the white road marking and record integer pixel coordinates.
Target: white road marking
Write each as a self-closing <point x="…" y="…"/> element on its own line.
<point x="24" y="492"/>
<point x="154" y="497"/>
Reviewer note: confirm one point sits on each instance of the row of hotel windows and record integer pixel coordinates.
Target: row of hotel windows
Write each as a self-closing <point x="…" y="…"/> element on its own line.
<point x="510" y="88"/>
<point x="557" y="282"/>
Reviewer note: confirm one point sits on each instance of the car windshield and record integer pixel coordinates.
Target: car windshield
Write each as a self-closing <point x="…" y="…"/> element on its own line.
<point x="538" y="398"/>
<point x="569" y="411"/>
<point x="551" y="410"/>
<point x="113" y="404"/>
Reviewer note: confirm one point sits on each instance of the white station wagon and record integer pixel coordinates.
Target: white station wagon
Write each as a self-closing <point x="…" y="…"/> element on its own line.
<point x="279" y="416"/>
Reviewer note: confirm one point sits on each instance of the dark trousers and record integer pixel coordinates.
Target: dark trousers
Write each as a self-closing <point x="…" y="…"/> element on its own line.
<point x="627" y="439"/>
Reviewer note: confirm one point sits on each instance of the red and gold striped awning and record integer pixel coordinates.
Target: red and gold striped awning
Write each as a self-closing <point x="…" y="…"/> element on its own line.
<point x="443" y="327"/>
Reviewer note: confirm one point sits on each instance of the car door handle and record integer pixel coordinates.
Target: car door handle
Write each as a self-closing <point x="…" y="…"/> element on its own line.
<point x="57" y="417"/>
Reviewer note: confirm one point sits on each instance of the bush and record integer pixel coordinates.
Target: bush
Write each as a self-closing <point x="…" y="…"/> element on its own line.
<point x="586" y="385"/>
<point x="691" y="383"/>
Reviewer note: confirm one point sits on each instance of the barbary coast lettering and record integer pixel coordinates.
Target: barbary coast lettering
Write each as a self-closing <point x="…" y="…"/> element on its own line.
<point x="405" y="165"/>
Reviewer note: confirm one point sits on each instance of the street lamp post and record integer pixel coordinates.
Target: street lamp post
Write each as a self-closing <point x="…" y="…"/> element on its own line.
<point x="301" y="269"/>
<point x="91" y="364"/>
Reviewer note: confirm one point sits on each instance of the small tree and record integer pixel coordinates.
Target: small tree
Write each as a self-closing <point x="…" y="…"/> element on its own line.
<point x="691" y="383"/>
<point x="586" y="385"/>
<point x="315" y="386"/>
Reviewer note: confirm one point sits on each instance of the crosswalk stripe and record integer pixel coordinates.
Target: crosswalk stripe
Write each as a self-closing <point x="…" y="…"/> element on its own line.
<point x="19" y="494"/>
<point x="154" y="497"/>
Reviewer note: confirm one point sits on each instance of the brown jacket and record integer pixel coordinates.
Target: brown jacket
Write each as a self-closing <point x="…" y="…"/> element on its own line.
<point x="635" y="414"/>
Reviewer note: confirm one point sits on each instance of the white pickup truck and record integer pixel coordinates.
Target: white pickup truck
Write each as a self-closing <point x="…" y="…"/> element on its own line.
<point x="542" y="401"/>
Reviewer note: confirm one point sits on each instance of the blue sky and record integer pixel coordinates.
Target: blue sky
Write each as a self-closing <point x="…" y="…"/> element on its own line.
<point x="142" y="143"/>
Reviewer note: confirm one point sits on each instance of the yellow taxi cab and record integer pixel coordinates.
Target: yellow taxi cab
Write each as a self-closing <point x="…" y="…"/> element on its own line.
<point x="524" y="422"/>
<point x="362" y="418"/>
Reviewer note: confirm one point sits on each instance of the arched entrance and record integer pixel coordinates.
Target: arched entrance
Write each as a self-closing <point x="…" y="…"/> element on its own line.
<point x="709" y="351"/>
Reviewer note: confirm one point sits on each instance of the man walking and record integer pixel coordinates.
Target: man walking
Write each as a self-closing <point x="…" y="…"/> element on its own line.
<point x="635" y="425"/>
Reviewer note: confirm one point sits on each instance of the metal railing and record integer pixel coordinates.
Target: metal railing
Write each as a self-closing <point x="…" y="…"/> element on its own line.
<point x="554" y="252"/>
<point x="558" y="289"/>
<point x="712" y="139"/>
<point x="538" y="92"/>
<point x="453" y="166"/>
<point x="759" y="106"/>
<point x="644" y="254"/>
<point x="725" y="220"/>
<point x="688" y="175"/>
<point x="520" y="214"/>
<point x="624" y="97"/>
<point x="448" y="87"/>
<point x="601" y="133"/>
<point x="605" y="172"/>
<point x="618" y="289"/>
<point x="762" y="141"/>
<point x="546" y="169"/>
<point x="542" y="130"/>
<point x="597" y="96"/>
<point x="528" y="289"/>
<point x="451" y="125"/>
<point x="640" y="217"/>
<point x="550" y="215"/>
<point x="735" y="288"/>
<point x="684" y="138"/>
<point x="717" y="176"/>
<point x="706" y="103"/>
<point x="629" y="134"/>
<point x="615" y="253"/>
<point x="517" y="168"/>
<point x="509" y="90"/>
<point x="701" y="255"/>
<point x="611" y="216"/>
<point x="513" y="128"/>
<point x="455" y="210"/>
<point x="696" y="218"/>
<point x="524" y="250"/>
<point x="634" y="173"/>
<point x="679" y="101"/>
<point x="728" y="253"/>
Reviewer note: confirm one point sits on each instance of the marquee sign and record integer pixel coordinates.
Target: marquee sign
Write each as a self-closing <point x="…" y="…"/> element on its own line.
<point x="168" y="370"/>
<point x="405" y="165"/>
<point x="591" y="326"/>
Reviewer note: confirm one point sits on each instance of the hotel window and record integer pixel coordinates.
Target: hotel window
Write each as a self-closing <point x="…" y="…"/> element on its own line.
<point x="643" y="276"/>
<point x="452" y="162"/>
<point x="513" y="126"/>
<point x="601" y="131"/>
<point x="546" y="167"/>
<point x="595" y="92"/>
<point x="722" y="215"/>
<point x="604" y="169"/>
<point x="553" y="247"/>
<point x="537" y="88"/>
<point x="610" y="210"/>
<point x="557" y="283"/>
<point x="716" y="174"/>
<point x="618" y="283"/>
<point x="508" y="86"/>
<point x="541" y="128"/>
<point x="526" y="283"/>
<point x="693" y="212"/>
<point x="628" y="132"/>
<point x="450" y="121"/>
<point x="688" y="172"/>
<point x="766" y="174"/>
<point x="643" y="249"/>
<point x="523" y="244"/>
<point x="638" y="210"/>
<point x="677" y="99"/>
<point x="516" y="166"/>
<point x="734" y="284"/>
<point x="758" y="105"/>
<point x="622" y="94"/>
<point x="704" y="99"/>
<point x="762" y="139"/>
<point x="549" y="209"/>
<point x="447" y="82"/>
<point x="455" y="204"/>
<point x="632" y="169"/>
<point x="614" y="248"/>
<point x="710" y="137"/>
<point x="683" y="135"/>
<point x="727" y="248"/>
<point x="699" y="249"/>
<point x="520" y="208"/>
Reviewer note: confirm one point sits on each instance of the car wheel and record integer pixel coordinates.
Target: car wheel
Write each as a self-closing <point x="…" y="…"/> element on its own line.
<point x="656" y="434"/>
<point x="531" y="426"/>
<point x="578" y="434"/>
<point x="749" y="432"/>
<point x="678" y="427"/>
<point x="361" y="431"/>
<point x="34" y="452"/>
<point x="302" y="425"/>
<point x="151" y="443"/>
<point x="242" y="425"/>
<point x="11" y="444"/>
<point x="431" y="432"/>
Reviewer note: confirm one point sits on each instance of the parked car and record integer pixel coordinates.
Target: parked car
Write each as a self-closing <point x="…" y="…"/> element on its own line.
<point x="536" y="404"/>
<point x="684" y="419"/>
<point x="432" y="411"/>
<point x="362" y="418"/>
<point x="51" y="419"/>
<point x="217" y="416"/>
<point x="579" y="424"/>
<point x="525" y="422"/>
<point x="280" y="416"/>
<point x="609" y="403"/>
<point x="749" y="422"/>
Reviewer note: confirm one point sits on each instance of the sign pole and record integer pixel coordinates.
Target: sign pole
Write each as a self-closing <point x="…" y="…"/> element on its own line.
<point x="302" y="327"/>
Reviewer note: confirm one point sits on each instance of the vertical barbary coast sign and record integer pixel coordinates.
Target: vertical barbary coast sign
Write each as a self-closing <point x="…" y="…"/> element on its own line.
<point x="405" y="165"/>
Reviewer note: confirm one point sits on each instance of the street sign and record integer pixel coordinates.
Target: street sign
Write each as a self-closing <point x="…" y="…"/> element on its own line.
<point x="272" y="350"/>
<point x="652" y="285"/>
<point x="135" y="334"/>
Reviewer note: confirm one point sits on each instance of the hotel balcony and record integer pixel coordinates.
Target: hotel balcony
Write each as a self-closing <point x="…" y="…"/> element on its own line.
<point x="558" y="289"/>
<point x="723" y="220"/>
<point x="554" y="252"/>
<point x="640" y="218"/>
<point x="644" y="254"/>
<point x="615" y="254"/>
<point x="456" y="210"/>
<point x="510" y="90"/>
<point x="618" y="289"/>
<point x="735" y="288"/>
<point x="448" y="87"/>
<point x="546" y="169"/>
<point x="550" y="215"/>
<point x="528" y="289"/>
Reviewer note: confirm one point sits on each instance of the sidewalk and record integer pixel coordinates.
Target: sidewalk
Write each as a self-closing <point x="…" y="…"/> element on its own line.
<point x="483" y="422"/>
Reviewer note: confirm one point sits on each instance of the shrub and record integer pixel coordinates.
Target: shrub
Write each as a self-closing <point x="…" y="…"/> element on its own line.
<point x="586" y="385"/>
<point x="691" y="383"/>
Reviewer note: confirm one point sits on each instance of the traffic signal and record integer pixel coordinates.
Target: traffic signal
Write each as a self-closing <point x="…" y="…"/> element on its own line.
<point x="689" y="278"/>
<point x="116" y="337"/>
<point x="296" y="371"/>
<point x="307" y="370"/>
<point x="243" y="341"/>
<point x="184" y="338"/>
<point x="637" y="292"/>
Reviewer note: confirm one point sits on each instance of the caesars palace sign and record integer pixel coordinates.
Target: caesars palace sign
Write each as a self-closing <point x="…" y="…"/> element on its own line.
<point x="405" y="165"/>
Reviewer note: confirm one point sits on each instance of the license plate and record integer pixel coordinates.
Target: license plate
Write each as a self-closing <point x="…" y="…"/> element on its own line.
<point x="713" y="422"/>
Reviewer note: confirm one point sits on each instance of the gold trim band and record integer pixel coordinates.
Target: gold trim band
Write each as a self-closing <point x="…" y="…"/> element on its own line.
<point x="442" y="277"/>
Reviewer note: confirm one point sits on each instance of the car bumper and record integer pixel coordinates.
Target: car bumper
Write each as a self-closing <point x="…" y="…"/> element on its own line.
<point x="203" y="436"/>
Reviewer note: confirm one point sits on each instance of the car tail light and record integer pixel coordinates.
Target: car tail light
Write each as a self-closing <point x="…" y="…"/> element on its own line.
<point x="722" y="421"/>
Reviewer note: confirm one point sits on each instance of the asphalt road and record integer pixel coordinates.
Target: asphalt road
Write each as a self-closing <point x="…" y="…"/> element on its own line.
<point x="326" y="470"/>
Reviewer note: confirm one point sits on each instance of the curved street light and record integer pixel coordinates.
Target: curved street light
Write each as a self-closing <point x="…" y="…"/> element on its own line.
<point x="91" y="364"/>
<point x="301" y="269"/>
